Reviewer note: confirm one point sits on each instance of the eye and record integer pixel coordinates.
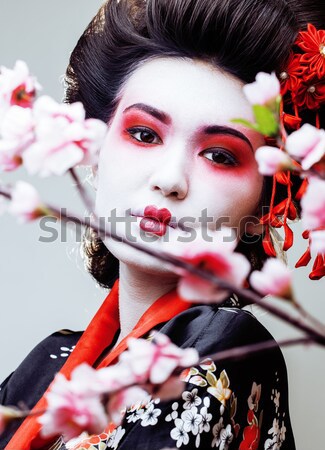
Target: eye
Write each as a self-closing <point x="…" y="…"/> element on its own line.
<point x="145" y="135"/>
<point x="220" y="156"/>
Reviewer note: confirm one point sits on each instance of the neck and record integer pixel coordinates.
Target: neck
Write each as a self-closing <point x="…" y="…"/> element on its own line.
<point x="138" y="290"/>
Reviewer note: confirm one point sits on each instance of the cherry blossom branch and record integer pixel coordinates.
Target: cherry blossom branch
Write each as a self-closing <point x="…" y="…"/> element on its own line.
<point x="303" y="312"/>
<point x="247" y="295"/>
<point x="14" y="413"/>
<point x="5" y="192"/>
<point x="243" y="351"/>
<point x="22" y="414"/>
<point x="315" y="173"/>
<point x="82" y="191"/>
<point x="298" y="156"/>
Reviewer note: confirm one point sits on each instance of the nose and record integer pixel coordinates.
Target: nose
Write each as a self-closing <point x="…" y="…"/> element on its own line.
<point x="170" y="176"/>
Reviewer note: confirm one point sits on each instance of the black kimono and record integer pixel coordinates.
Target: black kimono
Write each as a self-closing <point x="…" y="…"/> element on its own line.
<point x="234" y="405"/>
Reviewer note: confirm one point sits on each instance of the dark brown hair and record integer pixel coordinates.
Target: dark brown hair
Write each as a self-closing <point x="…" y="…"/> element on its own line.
<point x="242" y="37"/>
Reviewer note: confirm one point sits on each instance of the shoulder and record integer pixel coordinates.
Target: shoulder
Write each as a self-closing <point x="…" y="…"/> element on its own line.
<point x="210" y="328"/>
<point x="58" y="344"/>
<point x="237" y="326"/>
<point x="26" y="385"/>
<point x="232" y="336"/>
<point x="38" y="369"/>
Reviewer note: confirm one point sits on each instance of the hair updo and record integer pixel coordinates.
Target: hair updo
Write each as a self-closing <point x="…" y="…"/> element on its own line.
<point x="241" y="37"/>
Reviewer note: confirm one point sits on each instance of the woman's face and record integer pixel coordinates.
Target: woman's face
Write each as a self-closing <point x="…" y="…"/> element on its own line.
<point x="171" y="143"/>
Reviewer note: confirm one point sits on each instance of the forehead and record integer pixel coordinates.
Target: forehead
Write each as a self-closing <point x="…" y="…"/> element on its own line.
<point x="186" y="89"/>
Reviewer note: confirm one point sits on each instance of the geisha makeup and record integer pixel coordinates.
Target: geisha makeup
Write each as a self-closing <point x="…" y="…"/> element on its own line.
<point x="171" y="144"/>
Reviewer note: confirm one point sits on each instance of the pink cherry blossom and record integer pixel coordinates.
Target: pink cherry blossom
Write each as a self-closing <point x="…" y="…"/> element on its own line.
<point x="88" y="381"/>
<point x="115" y="377"/>
<point x="156" y="361"/>
<point x="306" y="145"/>
<point x="85" y="380"/>
<point x="25" y="202"/>
<point x="313" y="204"/>
<point x="103" y="381"/>
<point x="123" y="399"/>
<point x="72" y="409"/>
<point x="64" y="138"/>
<point x="10" y="155"/>
<point x="271" y="160"/>
<point x="317" y="242"/>
<point x="275" y="279"/>
<point x="91" y="139"/>
<point x="172" y="388"/>
<point x="17" y="133"/>
<point x="219" y="258"/>
<point x="17" y="87"/>
<point x="264" y="90"/>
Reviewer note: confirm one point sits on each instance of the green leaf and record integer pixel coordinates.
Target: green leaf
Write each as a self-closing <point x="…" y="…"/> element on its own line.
<point x="246" y="123"/>
<point x="265" y="121"/>
<point x="278" y="104"/>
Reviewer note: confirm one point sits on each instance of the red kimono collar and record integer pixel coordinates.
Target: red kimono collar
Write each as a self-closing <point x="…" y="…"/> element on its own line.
<point x="96" y="338"/>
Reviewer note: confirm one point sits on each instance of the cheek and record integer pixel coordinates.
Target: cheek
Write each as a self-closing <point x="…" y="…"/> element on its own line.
<point x="246" y="194"/>
<point x="120" y="173"/>
<point x="120" y="158"/>
<point x="116" y="164"/>
<point x="233" y="193"/>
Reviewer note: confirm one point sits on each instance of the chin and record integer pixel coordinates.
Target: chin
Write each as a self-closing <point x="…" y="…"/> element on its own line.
<point x="138" y="260"/>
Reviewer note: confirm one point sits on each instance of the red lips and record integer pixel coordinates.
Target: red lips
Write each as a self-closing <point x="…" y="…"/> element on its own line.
<point x="155" y="220"/>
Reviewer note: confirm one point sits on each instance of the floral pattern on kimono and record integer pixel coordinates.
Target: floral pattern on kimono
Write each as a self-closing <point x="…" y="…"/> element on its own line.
<point x="238" y="404"/>
<point x="206" y="415"/>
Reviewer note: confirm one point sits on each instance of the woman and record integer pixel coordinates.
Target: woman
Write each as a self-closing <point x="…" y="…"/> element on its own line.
<point x="167" y="77"/>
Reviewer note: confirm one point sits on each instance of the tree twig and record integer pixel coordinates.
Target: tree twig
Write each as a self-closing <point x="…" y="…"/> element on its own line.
<point x="82" y="191"/>
<point x="5" y="192"/>
<point x="245" y="294"/>
<point x="231" y="354"/>
<point x="243" y="351"/>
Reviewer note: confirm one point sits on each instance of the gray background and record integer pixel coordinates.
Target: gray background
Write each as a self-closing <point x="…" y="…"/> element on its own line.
<point x="44" y="286"/>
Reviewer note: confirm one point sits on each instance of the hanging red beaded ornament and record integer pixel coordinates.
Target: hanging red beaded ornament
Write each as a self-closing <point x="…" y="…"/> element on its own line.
<point x="303" y="91"/>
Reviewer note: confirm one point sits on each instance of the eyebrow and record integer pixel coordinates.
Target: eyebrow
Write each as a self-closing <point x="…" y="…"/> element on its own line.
<point x="160" y="115"/>
<point x="208" y="130"/>
<point x="221" y="129"/>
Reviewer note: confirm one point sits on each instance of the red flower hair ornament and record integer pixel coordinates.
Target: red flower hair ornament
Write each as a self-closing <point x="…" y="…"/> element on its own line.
<point x="312" y="42"/>
<point x="303" y="92"/>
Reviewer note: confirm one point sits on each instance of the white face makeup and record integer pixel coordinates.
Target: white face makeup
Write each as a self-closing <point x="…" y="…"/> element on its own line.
<point x="171" y="143"/>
